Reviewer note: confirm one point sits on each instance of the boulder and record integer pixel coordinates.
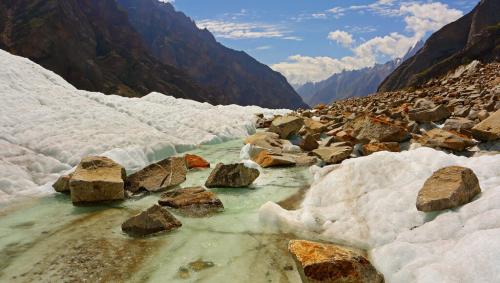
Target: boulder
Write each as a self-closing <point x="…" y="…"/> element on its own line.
<point x="286" y="126"/>
<point x="447" y="188"/>
<point x="308" y="143"/>
<point x="195" y="201"/>
<point x="267" y="140"/>
<point x="458" y="124"/>
<point x="158" y="176"/>
<point x="438" y="138"/>
<point x="97" y="179"/>
<point x="437" y="113"/>
<point x="314" y="127"/>
<point x="266" y="159"/>
<point x="195" y="161"/>
<point x="155" y="219"/>
<point x="62" y="184"/>
<point x="489" y="129"/>
<point x="319" y="262"/>
<point x="380" y="146"/>
<point x="231" y="175"/>
<point x="333" y="154"/>
<point x="366" y="128"/>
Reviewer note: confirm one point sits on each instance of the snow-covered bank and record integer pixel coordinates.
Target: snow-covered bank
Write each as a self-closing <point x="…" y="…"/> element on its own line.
<point x="47" y="126"/>
<point x="369" y="202"/>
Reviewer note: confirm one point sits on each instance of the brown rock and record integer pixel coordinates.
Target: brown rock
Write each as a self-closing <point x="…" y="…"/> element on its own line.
<point x="366" y="128"/>
<point x="330" y="263"/>
<point x="195" y="201"/>
<point x="97" y="179"/>
<point x="314" y="127"/>
<point x="448" y="187"/>
<point x="286" y="126"/>
<point x="62" y="184"/>
<point x="333" y="154"/>
<point x="155" y="219"/>
<point x="437" y="113"/>
<point x="158" y="176"/>
<point x="308" y="143"/>
<point x="231" y="175"/>
<point x="489" y="129"/>
<point x="266" y="159"/>
<point x="267" y="140"/>
<point x="195" y="161"/>
<point x="438" y="138"/>
<point x="380" y="146"/>
<point x="458" y="124"/>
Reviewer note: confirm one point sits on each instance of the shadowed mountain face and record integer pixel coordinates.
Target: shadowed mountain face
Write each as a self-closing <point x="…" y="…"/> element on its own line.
<point x="174" y="39"/>
<point x="351" y="83"/>
<point x="474" y="36"/>
<point x="90" y="44"/>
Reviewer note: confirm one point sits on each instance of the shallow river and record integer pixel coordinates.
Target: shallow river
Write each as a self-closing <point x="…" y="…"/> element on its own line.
<point x="50" y="240"/>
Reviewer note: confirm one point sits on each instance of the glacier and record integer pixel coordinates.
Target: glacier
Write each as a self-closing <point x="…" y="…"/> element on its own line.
<point x="369" y="203"/>
<point x="47" y="126"/>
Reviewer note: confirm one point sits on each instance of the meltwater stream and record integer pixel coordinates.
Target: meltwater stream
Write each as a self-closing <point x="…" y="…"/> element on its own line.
<point x="50" y="240"/>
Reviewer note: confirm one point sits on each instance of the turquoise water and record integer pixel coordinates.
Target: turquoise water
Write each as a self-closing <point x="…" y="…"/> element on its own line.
<point x="50" y="240"/>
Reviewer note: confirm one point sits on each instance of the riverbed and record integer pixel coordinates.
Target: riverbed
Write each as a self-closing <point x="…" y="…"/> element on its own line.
<point x="50" y="240"/>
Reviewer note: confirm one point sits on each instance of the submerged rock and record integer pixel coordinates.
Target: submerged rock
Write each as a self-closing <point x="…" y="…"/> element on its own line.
<point x="158" y="176"/>
<point x="488" y="129"/>
<point x="331" y="263"/>
<point x="195" y="161"/>
<point x="155" y="219"/>
<point x="97" y="179"/>
<point x="231" y="175"/>
<point x="445" y="139"/>
<point x="195" y="201"/>
<point x="286" y="126"/>
<point x="448" y="187"/>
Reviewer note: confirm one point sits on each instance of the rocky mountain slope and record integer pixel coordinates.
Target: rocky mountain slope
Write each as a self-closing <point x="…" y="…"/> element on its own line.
<point x="91" y="44"/>
<point x="474" y="36"/>
<point x="175" y="39"/>
<point x="352" y="83"/>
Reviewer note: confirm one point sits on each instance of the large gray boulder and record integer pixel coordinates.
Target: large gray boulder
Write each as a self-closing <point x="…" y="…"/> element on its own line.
<point x="448" y="187"/>
<point x="97" y="179"/>
<point x="319" y="262"/>
<point x="437" y="113"/>
<point x="286" y="126"/>
<point x="159" y="176"/>
<point x="155" y="219"/>
<point x="231" y="175"/>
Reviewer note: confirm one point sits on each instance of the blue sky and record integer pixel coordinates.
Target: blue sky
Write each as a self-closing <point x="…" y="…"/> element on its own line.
<point x="309" y="40"/>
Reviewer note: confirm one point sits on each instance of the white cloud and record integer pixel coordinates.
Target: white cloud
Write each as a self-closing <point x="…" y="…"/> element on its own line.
<point x="264" y="47"/>
<point x="341" y="37"/>
<point x="420" y="19"/>
<point x="167" y="1"/>
<point x="235" y="30"/>
<point x="319" y="16"/>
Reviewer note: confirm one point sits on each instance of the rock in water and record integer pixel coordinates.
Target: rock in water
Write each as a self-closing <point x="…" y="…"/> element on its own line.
<point x="437" y="113"/>
<point x="447" y="140"/>
<point x="195" y="161"/>
<point x="196" y="201"/>
<point x="267" y="140"/>
<point x="97" y="179"/>
<point x="489" y="129"/>
<point x="366" y="129"/>
<point x="448" y="187"/>
<point x="266" y="159"/>
<point x="155" y="219"/>
<point x="286" y="126"/>
<point x="333" y="154"/>
<point x="62" y="184"/>
<point x="231" y="175"/>
<point x="158" y="176"/>
<point x="330" y="263"/>
<point x="308" y="143"/>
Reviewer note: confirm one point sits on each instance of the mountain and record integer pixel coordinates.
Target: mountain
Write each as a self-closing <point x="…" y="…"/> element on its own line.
<point x="175" y="39"/>
<point x="351" y="83"/>
<point x="475" y="36"/>
<point x="91" y="44"/>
